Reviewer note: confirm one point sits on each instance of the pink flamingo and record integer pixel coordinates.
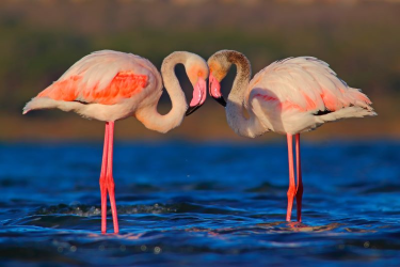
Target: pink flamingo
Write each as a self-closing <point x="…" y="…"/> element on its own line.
<point x="109" y="86"/>
<point x="291" y="96"/>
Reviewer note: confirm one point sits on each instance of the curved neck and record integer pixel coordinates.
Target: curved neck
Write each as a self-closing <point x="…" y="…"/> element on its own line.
<point x="242" y="77"/>
<point x="150" y="116"/>
<point x="237" y="102"/>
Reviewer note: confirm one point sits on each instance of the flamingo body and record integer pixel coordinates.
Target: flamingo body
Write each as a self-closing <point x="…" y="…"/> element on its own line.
<point x="104" y="85"/>
<point x="297" y="95"/>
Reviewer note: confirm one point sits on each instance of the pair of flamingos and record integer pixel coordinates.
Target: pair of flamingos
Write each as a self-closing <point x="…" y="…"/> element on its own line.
<point x="289" y="97"/>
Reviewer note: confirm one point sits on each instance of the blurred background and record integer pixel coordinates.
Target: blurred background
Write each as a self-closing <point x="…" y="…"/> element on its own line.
<point x="41" y="39"/>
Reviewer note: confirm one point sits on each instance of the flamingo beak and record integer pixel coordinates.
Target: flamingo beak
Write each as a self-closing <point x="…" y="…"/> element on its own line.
<point x="199" y="96"/>
<point x="215" y="90"/>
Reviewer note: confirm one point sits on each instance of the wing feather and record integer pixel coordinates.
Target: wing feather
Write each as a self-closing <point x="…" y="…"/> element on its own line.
<point x="104" y="77"/>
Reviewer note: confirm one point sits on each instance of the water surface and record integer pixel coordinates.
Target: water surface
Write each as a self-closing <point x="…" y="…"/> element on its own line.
<point x="210" y="204"/>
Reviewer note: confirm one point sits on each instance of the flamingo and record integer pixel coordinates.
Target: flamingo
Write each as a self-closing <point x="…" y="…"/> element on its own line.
<point x="290" y="97"/>
<point x="110" y="85"/>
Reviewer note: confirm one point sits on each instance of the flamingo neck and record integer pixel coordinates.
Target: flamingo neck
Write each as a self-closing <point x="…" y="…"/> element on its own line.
<point x="150" y="117"/>
<point x="237" y="102"/>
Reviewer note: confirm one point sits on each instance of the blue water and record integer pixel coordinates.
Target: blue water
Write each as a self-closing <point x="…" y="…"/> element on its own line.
<point x="210" y="204"/>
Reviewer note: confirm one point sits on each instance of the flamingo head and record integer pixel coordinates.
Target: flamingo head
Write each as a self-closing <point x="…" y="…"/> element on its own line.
<point x="197" y="71"/>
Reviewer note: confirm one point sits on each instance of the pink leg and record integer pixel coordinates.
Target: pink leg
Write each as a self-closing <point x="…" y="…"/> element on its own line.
<point x="103" y="183"/>
<point x="291" y="192"/>
<point x="110" y="178"/>
<point x="299" y="194"/>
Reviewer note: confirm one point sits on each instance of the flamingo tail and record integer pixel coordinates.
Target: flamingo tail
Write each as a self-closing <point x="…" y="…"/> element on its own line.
<point x="346" y="113"/>
<point x="49" y="103"/>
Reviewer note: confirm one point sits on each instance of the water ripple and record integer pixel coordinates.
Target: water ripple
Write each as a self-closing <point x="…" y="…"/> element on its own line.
<point x="224" y="205"/>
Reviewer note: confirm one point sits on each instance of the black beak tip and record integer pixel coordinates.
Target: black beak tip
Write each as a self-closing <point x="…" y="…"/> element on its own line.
<point x="191" y="110"/>
<point x="221" y="101"/>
